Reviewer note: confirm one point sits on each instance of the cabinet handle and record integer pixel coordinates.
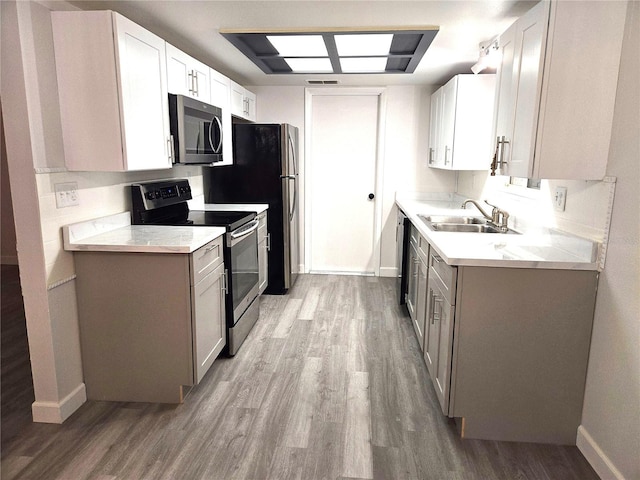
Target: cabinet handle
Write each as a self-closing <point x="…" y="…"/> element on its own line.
<point x="212" y="247"/>
<point x="170" y="148"/>
<point x="436" y="316"/>
<point x="446" y="150"/>
<point x="196" y="86"/>
<point x="225" y="281"/>
<point x="436" y="259"/>
<point x="268" y="242"/>
<point x="431" y="156"/>
<point x="190" y="78"/>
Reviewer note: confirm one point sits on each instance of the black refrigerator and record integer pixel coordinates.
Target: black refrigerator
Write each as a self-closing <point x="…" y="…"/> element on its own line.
<point x="265" y="170"/>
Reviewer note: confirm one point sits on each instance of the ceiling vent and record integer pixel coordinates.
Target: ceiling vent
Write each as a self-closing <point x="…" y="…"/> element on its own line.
<point x="322" y="82"/>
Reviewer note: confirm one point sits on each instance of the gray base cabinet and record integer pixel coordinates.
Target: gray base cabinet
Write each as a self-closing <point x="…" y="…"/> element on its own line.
<point x="520" y="348"/>
<point x="506" y="348"/>
<point x="151" y="324"/>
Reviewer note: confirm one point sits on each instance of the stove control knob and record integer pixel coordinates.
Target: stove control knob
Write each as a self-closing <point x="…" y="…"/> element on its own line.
<point x="150" y="195"/>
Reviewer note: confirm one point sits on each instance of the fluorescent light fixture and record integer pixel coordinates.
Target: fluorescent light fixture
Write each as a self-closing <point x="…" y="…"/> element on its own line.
<point x="299" y="45"/>
<point x="309" y="65"/>
<point x="363" y="65"/>
<point x="365" y="44"/>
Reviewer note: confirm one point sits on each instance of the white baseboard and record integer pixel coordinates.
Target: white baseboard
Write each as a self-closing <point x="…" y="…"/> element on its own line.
<point x="388" y="272"/>
<point x="9" y="260"/>
<point x="58" y="412"/>
<point x="596" y="457"/>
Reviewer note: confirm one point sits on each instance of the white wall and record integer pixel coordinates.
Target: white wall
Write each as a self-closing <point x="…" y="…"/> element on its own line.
<point x="405" y="146"/>
<point x="610" y="430"/>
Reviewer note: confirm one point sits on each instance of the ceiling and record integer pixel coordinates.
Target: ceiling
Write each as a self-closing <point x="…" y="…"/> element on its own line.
<point x="193" y="26"/>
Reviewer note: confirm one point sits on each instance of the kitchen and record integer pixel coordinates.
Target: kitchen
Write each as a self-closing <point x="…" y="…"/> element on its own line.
<point x="56" y="371"/>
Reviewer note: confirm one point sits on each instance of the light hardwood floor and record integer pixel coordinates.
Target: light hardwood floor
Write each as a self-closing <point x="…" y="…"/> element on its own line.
<point x="330" y="384"/>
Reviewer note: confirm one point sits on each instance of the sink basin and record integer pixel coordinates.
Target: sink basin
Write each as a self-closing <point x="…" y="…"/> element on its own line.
<point x="453" y="227"/>
<point x="446" y="223"/>
<point x="454" y="219"/>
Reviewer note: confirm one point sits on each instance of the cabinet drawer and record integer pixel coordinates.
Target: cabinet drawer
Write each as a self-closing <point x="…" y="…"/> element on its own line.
<point x="423" y="249"/>
<point x="446" y="275"/>
<point x="205" y="259"/>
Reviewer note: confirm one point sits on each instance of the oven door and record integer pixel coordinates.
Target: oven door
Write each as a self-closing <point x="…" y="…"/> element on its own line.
<point x="243" y="254"/>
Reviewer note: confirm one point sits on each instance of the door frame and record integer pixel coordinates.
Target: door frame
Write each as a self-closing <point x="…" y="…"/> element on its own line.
<point x="309" y="93"/>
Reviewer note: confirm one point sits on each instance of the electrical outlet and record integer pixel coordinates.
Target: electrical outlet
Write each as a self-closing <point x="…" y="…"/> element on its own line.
<point x="560" y="199"/>
<point x="66" y="194"/>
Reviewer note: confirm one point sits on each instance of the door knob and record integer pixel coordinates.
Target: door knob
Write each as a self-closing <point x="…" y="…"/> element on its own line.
<point x="371" y="196"/>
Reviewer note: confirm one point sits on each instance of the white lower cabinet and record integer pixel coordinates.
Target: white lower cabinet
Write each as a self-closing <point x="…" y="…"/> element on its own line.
<point x="151" y="324"/>
<point x="264" y="245"/>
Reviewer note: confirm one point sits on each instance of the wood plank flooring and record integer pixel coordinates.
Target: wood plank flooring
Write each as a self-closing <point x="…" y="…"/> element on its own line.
<point x="330" y="384"/>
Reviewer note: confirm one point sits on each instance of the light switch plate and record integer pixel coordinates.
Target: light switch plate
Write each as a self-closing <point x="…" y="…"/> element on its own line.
<point x="66" y="194"/>
<point x="560" y="199"/>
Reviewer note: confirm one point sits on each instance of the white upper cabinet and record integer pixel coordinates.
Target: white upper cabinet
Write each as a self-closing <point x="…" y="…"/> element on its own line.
<point x="460" y="130"/>
<point x="243" y="102"/>
<point x="112" y="86"/>
<point x="221" y="97"/>
<point x="187" y="76"/>
<point x="556" y="90"/>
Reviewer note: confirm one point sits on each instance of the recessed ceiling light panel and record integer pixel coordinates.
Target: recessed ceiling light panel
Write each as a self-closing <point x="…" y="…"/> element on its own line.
<point x="299" y="45"/>
<point x="363" y="44"/>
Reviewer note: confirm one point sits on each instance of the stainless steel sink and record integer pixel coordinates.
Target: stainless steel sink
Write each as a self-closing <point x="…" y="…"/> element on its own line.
<point x="453" y="219"/>
<point x="446" y="223"/>
<point x="452" y="227"/>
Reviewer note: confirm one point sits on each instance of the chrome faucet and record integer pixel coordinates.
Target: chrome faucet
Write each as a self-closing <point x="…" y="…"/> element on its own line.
<point x="498" y="217"/>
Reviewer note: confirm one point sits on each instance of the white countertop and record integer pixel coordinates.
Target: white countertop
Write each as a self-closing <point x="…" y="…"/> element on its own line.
<point x="198" y="204"/>
<point x="546" y="249"/>
<point x="116" y="234"/>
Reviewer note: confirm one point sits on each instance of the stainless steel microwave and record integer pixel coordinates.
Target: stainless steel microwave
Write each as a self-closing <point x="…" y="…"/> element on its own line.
<point x="196" y="130"/>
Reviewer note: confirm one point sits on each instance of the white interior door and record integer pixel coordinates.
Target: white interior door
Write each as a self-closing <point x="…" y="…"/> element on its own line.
<point x="343" y="150"/>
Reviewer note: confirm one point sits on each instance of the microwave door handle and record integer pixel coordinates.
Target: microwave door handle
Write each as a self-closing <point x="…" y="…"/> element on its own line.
<point x="217" y="149"/>
<point x="210" y="139"/>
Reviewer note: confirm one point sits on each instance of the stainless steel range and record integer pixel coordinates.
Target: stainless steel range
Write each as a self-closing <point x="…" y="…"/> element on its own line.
<point x="165" y="203"/>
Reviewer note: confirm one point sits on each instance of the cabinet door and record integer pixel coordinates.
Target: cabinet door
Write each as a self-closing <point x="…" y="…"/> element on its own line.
<point x="441" y="375"/>
<point x="221" y="97"/>
<point x="448" y="121"/>
<point x="237" y="100"/>
<point x="250" y="100"/>
<point x="432" y="332"/>
<point x="434" y="127"/>
<point x="263" y="249"/>
<point x="421" y="303"/>
<point x="186" y="75"/>
<point x="412" y="280"/>
<point x="209" y="329"/>
<point x="528" y="64"/>
<point x="504" y="104"/>
<point x="145" y="109"/>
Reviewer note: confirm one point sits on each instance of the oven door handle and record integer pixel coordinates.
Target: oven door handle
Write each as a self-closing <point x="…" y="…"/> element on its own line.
<point x="244" y="231"/>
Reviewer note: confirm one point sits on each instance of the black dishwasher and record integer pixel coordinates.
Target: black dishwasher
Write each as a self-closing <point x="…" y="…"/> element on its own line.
<point x="402" y="245"/>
